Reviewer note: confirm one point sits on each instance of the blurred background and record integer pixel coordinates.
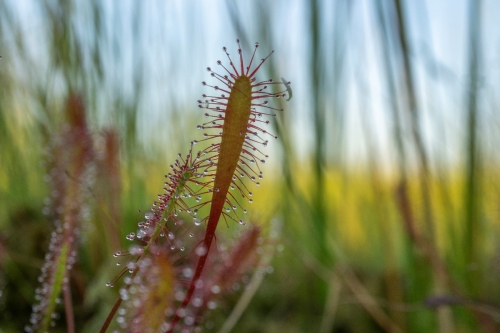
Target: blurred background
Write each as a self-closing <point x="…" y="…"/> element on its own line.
<point x="385" y="177"/>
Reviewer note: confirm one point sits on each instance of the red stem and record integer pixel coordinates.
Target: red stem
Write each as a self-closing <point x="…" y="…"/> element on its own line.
<point x="106" y="324"/>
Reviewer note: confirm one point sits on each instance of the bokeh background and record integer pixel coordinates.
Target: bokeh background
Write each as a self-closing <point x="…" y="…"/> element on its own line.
<point x="385" y="179"/>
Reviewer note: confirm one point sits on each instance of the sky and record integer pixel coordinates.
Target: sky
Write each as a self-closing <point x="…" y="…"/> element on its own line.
<point x="169" y="44"/>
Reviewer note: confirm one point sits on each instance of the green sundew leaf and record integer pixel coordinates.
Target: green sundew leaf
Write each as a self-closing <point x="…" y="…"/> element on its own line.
<point x="56" y="287"/>
<point x="288" y="88"/>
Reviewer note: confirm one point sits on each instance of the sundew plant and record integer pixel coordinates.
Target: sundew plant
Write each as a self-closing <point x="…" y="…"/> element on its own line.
<point x="171" y="274"/>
